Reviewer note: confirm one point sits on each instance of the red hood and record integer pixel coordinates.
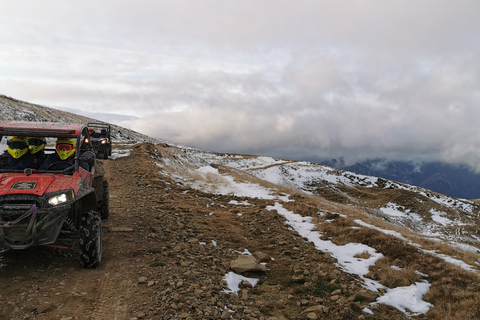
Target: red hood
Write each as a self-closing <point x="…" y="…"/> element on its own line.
<point x="37" y="184"/>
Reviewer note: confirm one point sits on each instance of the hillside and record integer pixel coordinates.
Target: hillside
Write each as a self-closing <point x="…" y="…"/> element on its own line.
<point x="13" y="109"/>
<point x="333" y="244"/>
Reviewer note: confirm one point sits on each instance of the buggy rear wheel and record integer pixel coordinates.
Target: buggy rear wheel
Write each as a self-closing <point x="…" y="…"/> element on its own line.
<point x="90" y="240"/>
<point x="104" y="204"/>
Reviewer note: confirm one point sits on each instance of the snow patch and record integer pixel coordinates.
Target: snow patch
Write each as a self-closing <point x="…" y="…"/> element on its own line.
<point x="233" y="281"/>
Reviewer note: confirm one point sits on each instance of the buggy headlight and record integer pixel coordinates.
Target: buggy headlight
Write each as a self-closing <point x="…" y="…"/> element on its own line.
<point x="104" y="141"/>
<point x="61" y="198"/>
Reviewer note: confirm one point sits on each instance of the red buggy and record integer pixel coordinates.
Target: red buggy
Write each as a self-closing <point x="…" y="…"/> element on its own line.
<point x="42" y="207"/>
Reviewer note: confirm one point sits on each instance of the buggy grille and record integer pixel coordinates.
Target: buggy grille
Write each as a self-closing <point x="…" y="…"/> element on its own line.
<point x="13" y="207"/>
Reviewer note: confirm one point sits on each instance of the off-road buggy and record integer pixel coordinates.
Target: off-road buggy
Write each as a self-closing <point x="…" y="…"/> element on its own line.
<point x="61" y="207"/>
<point x="101" y="140"/>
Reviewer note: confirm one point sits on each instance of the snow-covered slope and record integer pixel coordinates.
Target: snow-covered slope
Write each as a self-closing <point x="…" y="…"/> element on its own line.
<point x="422" y="211"/>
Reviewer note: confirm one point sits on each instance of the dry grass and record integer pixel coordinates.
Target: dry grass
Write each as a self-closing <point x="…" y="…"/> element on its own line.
<point x="384" y="273"/>
<point x="453" y="292"/>
<point x="363" y="255"/>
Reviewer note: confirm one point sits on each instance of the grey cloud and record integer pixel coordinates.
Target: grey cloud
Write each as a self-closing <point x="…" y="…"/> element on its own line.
<point x="301" y="118"/>
<point x="391" y="25"/>
<point x="294" y="79"/>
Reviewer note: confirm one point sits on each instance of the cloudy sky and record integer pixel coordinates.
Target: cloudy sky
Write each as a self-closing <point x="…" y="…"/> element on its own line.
<point x="299" y="79"/>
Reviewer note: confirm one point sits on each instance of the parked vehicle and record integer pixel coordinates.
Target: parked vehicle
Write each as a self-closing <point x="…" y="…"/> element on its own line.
<point x="47" y="206"/>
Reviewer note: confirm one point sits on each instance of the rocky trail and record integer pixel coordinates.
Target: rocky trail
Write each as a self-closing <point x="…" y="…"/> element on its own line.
<point x="166" y="251"/>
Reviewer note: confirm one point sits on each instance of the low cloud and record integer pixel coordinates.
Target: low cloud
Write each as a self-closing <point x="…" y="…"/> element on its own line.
<point x="319" y="110"/>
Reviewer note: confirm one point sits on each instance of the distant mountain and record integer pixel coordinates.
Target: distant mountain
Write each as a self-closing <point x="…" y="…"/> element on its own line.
<point x="451" y="180"/>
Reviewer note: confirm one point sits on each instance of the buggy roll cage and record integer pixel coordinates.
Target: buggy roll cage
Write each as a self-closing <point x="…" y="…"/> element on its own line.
<point x="50" y="130"/>
<point x="101" y="125"/>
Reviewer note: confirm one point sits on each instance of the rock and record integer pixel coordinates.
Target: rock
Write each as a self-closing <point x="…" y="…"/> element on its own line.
<point x="44" y="307"/>
<point x="244" y="294"/>
<point x="341" y="300"/>
<point x="367" y="296"/>
<point x="335" y="297"/>
<point x="312" y="315"/>
<point x="336" y="292"/>
<point x="245" y="284"/>
<point x="142" y="280"/>
<point x="261" y="256"/>
<point x="246" y="263"/>
<point x="317" y="309"/>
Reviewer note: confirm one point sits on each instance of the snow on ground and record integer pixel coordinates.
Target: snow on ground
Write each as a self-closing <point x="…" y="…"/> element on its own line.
<point x="225" y="185"/>
<point x="407" y="299"/>
<point x="233" y="281"/>
<point x="240" y="203"/>
<point x="121" y="152"/>
<point x="439" y="226"/>
<point x="400" y="213"/>
<point x="345" y="254"/>
<point x="304" y="176"/>
<point x="439" y="217"/>
<point x="310" y="177"/>
<point x="250" y="163"/>
<point x="457" y="262"/>
<point x="445" y="201"/>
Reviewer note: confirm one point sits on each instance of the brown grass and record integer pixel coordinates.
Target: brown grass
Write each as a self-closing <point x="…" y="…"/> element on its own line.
<point x="363" y="255"/>
<point x="454" y="292"/>
<point x="390" y="277"/>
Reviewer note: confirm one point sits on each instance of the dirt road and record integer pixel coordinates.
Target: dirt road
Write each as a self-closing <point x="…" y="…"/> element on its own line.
<point x="166" y="249"/>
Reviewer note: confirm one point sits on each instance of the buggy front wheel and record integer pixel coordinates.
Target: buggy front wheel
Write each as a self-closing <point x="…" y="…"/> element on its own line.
<point x="90" y="239"/>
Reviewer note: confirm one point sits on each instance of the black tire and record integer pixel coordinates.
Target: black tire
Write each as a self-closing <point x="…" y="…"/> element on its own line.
<point x="104" y="207"/>
<point x="90" y="240"/>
